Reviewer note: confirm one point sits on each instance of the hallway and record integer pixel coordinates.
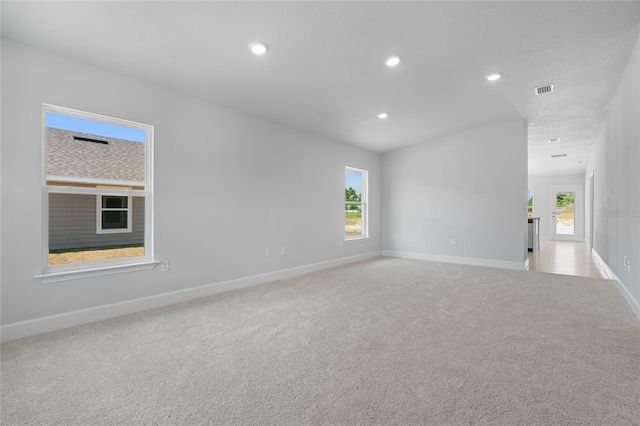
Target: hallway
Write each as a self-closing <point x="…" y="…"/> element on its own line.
<point x="567" y="258"/>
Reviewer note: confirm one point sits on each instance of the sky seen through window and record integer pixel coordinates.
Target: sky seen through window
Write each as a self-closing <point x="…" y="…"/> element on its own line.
<point x="353" y="179"/>
<point x="74" y="124"/>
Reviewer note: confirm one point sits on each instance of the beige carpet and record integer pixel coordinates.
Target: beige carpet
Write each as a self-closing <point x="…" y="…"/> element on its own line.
<point x="386" y="341"/>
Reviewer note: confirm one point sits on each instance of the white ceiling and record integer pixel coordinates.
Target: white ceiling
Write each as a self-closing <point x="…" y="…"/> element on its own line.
<point x="324" y="72"/>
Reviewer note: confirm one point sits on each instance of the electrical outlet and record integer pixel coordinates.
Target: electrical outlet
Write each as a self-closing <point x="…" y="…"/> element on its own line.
<point x="268" y="252"/>
<point x="454" y="241"/>
<point x="284" y="251"/>
<point x="164" y="266"/>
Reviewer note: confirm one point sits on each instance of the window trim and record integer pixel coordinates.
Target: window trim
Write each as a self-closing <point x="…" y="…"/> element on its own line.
<point x="54" y="273"/>
<point x="96" y="271"/>
<point x="99" y="209"/>
<point x="364" y="203"/>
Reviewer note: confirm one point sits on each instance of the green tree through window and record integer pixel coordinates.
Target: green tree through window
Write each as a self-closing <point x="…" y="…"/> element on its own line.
<point x="355" y="197"/>
<point x="350" y="194"/>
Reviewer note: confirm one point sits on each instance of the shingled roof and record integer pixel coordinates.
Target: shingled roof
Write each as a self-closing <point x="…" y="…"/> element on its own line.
<point x="112" y="159"/>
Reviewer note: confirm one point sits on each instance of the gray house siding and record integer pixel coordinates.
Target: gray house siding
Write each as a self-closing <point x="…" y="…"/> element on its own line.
<point x="72" y="224"/>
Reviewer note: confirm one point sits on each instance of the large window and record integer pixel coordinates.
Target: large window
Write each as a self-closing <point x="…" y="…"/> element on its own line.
<point x="355" y="197"/>
<point x="97" y="191"/>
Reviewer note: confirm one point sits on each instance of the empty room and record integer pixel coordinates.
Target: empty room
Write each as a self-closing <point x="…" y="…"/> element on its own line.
<point x="320" y="213"/>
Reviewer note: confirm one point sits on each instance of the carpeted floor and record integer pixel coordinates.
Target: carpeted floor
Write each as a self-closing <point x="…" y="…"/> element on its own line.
<point x="386" y="341"/>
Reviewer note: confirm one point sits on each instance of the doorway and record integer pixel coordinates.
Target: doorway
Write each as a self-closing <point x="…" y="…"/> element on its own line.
<point x="566" y="213"/>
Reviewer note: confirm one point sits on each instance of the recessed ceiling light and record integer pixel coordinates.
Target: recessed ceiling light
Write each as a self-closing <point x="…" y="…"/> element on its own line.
<point x="494" y="77"/>
<point x="258" y="47"/>
<point x="383" y="115"/>
<point x="554" y="140"/>
<point x="392" y="61"/>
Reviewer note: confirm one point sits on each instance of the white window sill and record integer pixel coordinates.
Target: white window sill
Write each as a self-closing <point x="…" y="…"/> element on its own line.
<point x="362" y="239"/>
<point x="54" y="277"/>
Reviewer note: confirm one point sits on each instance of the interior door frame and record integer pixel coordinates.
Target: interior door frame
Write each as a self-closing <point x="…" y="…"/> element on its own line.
<point x="578" y="228"/>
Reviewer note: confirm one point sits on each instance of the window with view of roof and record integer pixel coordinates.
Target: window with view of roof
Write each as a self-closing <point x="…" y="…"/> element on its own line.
<point x="97" y="191"/>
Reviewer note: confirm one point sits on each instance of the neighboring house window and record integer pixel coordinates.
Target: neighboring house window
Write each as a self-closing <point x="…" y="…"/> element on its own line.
<point x="355" y="196"/>
<point x="97" y="191"/>
<point x="113" y="214"/>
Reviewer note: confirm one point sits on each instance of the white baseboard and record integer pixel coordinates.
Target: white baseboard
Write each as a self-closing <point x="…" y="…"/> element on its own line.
<point x="35" y="326"/>
<point x="461" y="260"/>
<point x="633" y="303"/>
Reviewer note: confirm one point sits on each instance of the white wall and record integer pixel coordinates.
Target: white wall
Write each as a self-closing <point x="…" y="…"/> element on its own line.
<point x="227" y="186"/>
<point x="471" y="186"/>
<point x="616" y="166"/>
<point x="541" y="186"/>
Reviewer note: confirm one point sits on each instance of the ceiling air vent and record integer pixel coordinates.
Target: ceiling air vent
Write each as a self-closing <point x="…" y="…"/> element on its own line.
<point x="544" y="89"/>
<point x="558" y="155"/>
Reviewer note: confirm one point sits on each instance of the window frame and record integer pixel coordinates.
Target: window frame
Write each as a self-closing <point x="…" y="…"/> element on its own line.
<point x="99" y="218"/>
<point x="54" y="273"/>
<point x="364" y="204"/>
